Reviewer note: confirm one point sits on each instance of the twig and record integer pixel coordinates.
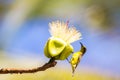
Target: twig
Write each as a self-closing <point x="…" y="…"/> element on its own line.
<point x="50" y="64"/>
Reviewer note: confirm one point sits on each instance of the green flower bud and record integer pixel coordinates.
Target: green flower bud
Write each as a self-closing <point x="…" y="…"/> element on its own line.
<point x="66" y="52"/>
<point x="46" y="50"/>
<point x="54" y="47"/>
<point x="57" y="48"/>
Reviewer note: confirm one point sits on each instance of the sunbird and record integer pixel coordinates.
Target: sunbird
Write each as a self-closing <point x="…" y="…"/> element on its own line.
<point x="76" y="57"/>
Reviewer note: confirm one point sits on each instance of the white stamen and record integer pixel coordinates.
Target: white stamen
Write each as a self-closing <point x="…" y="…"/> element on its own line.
<point x="61" y="30"/>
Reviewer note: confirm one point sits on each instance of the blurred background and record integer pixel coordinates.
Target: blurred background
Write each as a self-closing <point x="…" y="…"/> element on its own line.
<point x="24" y="31"/>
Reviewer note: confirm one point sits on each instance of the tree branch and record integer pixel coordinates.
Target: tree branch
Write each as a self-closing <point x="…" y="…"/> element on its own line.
<point x="50" y="64"/>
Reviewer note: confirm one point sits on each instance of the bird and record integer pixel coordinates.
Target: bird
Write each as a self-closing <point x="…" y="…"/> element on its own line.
<point x="76" y="57"/>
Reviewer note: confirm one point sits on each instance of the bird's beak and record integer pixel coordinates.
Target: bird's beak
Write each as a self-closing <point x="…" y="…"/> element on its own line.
<point x="83" y="49"/>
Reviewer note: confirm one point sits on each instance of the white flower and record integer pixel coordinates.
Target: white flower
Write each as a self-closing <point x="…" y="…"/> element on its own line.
<point x="61" y="30"/>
